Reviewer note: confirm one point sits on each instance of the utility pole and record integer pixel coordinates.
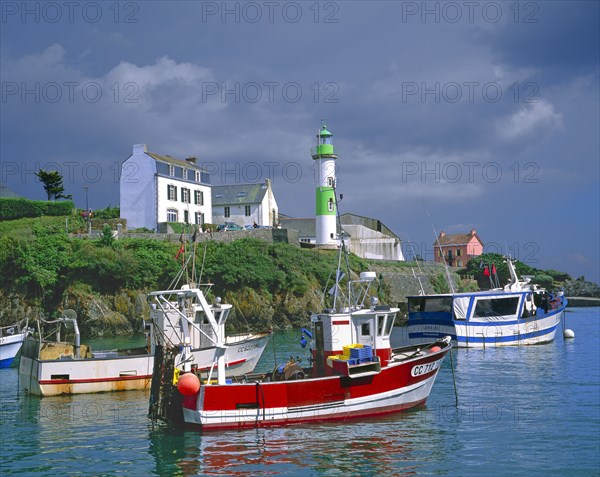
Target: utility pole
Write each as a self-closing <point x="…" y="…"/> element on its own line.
<point x="88" y="212"/>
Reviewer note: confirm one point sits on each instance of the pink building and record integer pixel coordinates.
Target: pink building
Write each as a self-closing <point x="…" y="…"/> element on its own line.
<point x="457" y="249"/>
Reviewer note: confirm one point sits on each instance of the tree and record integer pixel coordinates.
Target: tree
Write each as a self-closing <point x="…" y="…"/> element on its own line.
<point x="53" y="184"/>
<point x="106" y="238"/>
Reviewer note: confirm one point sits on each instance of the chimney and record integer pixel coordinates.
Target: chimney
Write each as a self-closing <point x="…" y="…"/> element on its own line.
<point x="191" y="159"/>
<point x="140" y="148"/>
<point x="268" y="183"/>
<point x="473" y="232"/>
<point x="442" y="234"/>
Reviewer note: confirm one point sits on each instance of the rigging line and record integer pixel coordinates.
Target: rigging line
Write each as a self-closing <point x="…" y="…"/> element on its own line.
<point x="418" y="266"/>
<point x="203" y="261"/>
<point x="338" y="224"/>
<point x="195" y="237"/>
<point x="343" y="250"/>
<point x="437" y="239"/>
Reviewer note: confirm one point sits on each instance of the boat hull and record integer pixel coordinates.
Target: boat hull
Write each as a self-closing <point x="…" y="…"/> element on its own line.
<point x="121" y="373"/>
<point x="480" y="334"/>
<point x="399" y="386"/>
<point x="9" y="347"/>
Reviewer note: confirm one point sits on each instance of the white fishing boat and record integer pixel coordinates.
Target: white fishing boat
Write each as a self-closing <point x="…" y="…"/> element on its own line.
<point x="518" y="314"/>
<point x="57" y="367"/>
<point x="11" y="340"/>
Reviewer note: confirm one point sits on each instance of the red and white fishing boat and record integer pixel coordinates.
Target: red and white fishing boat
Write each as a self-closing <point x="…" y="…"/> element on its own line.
<point x="354" y="372"/>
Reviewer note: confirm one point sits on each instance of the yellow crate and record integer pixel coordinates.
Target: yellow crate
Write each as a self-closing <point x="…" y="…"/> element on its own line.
<point x="337" y="356"/>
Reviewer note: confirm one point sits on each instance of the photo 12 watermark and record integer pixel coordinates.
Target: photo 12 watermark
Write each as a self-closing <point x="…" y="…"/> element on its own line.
<point x="69" y="12"/>
<point x="485" y="412"/>
<point x="269" y="12"/>
<point x="469" y="172"/>
<point x="468" y="92"/>
<point x="232" y="172"/>
<point x="526" y="252"/>
<point x="69" y="412"/>
<point x="269" y="92"/>
<point x="470" y="12"/>
<point x="53" y="92"/>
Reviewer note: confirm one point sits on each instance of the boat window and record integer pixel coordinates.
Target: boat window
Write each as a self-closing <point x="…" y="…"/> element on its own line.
<point x="389" y="324"/>
<point x="380" y="323"/>
<point x="496" y="306"/>
<point x="365" y="329"/>
<point x="430" y="304"/>
<point x="201" y="318"/>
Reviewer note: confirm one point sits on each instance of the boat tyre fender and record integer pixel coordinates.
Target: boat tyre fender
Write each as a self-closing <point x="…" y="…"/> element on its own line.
<point x="297" y="374"/>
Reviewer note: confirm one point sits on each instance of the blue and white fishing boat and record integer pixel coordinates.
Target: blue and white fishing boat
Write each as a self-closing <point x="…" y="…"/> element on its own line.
<point x="11" y="339"/>
<point x="518" y="314"/>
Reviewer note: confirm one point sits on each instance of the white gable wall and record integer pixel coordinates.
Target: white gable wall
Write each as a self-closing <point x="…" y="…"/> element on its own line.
<point x="138" y="189"/>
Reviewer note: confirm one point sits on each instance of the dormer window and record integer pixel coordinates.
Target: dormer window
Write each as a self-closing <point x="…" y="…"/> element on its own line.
<point x="171" y="170"/>
<point x="197" y="176"/>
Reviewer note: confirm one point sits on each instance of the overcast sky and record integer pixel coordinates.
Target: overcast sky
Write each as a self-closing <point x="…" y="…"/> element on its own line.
<point x="445" y="115"/>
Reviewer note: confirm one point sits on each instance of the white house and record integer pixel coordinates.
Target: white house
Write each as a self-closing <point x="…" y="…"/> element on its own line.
<point x="156" y="188"/>
<point x="245" y="204"/>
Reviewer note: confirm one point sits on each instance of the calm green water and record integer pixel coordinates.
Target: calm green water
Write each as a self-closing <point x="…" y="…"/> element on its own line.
<point x="531" y="411"/>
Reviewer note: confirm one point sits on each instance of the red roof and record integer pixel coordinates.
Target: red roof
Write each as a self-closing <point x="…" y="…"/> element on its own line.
<point x="445" y="240"/>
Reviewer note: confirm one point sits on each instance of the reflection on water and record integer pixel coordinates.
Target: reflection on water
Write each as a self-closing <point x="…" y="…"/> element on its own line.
<point x="393" y="446"/>
<point x="531" y="411"/>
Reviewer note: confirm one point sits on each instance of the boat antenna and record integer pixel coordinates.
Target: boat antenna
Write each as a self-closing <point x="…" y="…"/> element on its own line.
<point x="437" y="239"/>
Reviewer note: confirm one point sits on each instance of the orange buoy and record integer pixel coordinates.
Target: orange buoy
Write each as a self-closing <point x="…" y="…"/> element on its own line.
<point x="435" y="349"/>
<point x="188" y="384"/>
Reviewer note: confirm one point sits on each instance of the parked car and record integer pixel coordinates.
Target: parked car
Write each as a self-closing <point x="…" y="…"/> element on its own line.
<point x="228" y="226"/>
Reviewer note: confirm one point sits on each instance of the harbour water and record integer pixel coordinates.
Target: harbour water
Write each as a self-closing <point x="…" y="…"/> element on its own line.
<point x="531" y="411"/>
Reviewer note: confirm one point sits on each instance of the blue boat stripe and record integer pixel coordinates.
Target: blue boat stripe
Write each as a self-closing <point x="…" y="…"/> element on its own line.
<point x="5" y="363"/>
<point x="521" y="304"/>
<point x="478" y="339"/>
<point x="504" y="339"/>
<point x="431" y="334"/>
<point x="470" y="308"/>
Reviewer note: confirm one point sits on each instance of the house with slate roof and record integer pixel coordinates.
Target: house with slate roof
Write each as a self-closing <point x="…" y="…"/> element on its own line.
<point x="457" y="249"/>
<point x="158" y="189"/>
<point x="307" y="232"/>
<point x="245" y="204"/>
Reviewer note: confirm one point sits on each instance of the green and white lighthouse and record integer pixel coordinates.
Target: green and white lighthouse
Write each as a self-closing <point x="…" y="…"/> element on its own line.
<point x="325" y="158"/>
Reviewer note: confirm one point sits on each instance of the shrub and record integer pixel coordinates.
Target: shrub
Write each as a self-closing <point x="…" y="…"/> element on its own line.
<point x="17" y="208"/>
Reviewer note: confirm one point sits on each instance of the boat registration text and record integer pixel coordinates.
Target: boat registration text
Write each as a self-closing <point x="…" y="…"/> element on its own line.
<point x="421" y="369"/>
